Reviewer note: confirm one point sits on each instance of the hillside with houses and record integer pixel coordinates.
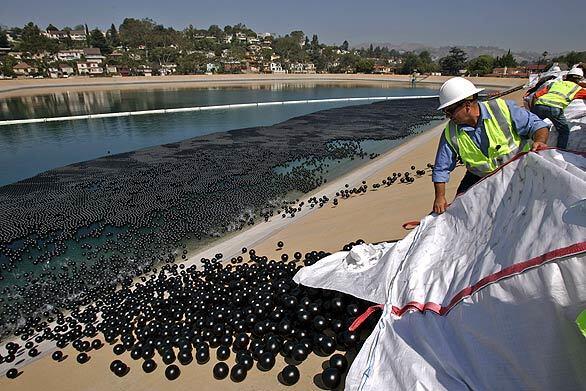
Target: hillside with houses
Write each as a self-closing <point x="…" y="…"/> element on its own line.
<point x="146" y="48"/>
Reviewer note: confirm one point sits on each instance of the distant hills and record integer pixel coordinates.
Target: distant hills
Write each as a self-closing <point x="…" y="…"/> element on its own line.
<point x="472" y="51"/>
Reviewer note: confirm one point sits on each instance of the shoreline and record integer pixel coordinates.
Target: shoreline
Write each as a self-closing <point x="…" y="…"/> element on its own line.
<point x="31" y="87"/>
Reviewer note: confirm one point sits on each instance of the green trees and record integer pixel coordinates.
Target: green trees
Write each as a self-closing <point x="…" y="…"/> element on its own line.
<point x="4" y="39"/>
<point x="569" y="59"/>
<point x="506" y="60"/>
<point x="453" y="62"/>
<point x="421" y="62"/>
<point x="135" y="32"/>
<point x="481" y="65"/>
<point x="97" y="40"/>
<point x="112" y="36"/>
<point x="33" y="42"/>
<point x="289" y="47"/>
<point x="345" y="45"/>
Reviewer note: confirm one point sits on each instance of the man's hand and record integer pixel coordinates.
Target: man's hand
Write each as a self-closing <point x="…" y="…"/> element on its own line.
<point x="440" y="204"/>
<point x="538" y="146"/>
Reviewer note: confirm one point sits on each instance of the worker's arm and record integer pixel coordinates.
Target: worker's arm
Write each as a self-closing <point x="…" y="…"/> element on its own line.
<point x="440" y="204"/>
<point x="445" y="162"/>
<point x="540" y="139"/>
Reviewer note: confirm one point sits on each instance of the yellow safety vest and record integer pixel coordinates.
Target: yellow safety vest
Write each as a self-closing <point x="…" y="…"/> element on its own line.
<point x="560" y="94"/>
<point x="504" y="142"/>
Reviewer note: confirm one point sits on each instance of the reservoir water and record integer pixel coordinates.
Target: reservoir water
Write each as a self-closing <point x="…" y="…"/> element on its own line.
<point x="29" y="149"/>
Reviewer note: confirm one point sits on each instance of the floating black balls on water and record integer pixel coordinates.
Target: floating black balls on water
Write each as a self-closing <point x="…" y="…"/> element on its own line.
<point x="319" y="323"/>
<point x="238" y="373"/>
<point x="172" y="372"/>
<point x="148" y="352"/>
<point x="12" y="373"/>
<point x="331" y="378"/>
<point x="290" y="375"/>
<point x="149" y="365"/>
<point x="284" y="257"/>
<point x="223" y="352"/>
<point x="202" y="356"/>
<point x="297" y="255"/>
<point x="82" y="358"/>
<point x="221" y="371"/>
<point x="339" y="362"/>
<point x="280" y="244"/>
<point x="266" y="361"/>
<point x="33" y="352"/>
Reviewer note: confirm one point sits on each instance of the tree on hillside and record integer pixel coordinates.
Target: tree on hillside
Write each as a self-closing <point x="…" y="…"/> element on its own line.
<point x="506" y="60"/>
<point x="410" y="63"/>
<point x="4" y="39"/>
<point x="50" y="27"/>
<point x="32" y="41"/>
<point x="345" y="45"/>
<point x="298" y="36"/>
<point x="112" y="36"/>
<point x="453" y="62"/>
<point x="426" y="64"/>
<point x="135" y="32"/>
<point x="289" y="48"/>
<point x="97" y="40"/>
<point x="481" y="65"/>
<point x="571" y="58"/>
<point x="314" y="42"/>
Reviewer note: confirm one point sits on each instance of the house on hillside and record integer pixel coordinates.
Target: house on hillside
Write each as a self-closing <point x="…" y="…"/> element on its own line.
<point x="69" y="55"/>
<point x="78" y="35"/>
<point x="275" y="67"/>
<point x="93" y="55"/>
<point x="66" y="69"/>
<point x="24" y="69"/>
<point x="383" y="69"/>
<point x="56" y="34"/>
<point x="144" y="70"/>
<point x="89" y="68"/>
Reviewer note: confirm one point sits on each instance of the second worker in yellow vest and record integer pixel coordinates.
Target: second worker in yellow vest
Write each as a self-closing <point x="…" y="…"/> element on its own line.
<point x="484" y="135"/>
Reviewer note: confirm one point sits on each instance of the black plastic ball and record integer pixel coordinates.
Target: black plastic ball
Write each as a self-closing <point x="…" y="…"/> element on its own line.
<point x="202" y="356"/>
<point x="82" y="358"/>
<point x="149" y="365"/>
<point x="331" y="378"/>
<point x="221" y="371"/>
<point x="172" y="372"/>
<point x="266" y="361"/>
<point x="290" y="375"/>
<point x="238" y="373"/>
<point x="339" y="362"/>
<point x="57" y="355"/>
<point x="223" y="352"/>
<point x="12" y="373"/>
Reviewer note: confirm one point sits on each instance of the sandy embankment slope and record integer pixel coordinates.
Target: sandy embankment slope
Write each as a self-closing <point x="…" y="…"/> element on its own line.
<point x="374" y="216"/>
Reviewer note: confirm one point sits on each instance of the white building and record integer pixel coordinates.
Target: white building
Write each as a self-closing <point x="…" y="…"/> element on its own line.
<point x="89" y="68"/>
<point x="93" y="55"/>
<point x="69" y="55"/>
<point x="276" y="67"/>
<point x="78" y="35"/>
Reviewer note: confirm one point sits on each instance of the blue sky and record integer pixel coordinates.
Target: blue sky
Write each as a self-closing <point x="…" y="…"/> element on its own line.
<point x="520" y="25"/>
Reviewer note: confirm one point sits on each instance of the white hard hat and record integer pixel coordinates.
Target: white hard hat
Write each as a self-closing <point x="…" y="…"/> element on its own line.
<point x="455" y="90"/>
<point x="576" y="72"/>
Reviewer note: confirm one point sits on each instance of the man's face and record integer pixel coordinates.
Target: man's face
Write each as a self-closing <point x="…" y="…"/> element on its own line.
<point x="458" y="112"/>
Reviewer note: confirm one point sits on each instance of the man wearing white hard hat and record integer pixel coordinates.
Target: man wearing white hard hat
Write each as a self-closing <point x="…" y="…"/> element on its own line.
<point x="484" y="135"/>
<point x="550" y="102"/>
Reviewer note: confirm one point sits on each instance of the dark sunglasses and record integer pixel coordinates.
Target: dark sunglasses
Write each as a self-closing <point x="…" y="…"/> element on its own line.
<point x="451" y="109"/>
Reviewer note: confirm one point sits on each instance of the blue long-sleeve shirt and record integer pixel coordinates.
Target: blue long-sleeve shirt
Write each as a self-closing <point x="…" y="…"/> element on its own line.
<point x="525" y="124"/>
